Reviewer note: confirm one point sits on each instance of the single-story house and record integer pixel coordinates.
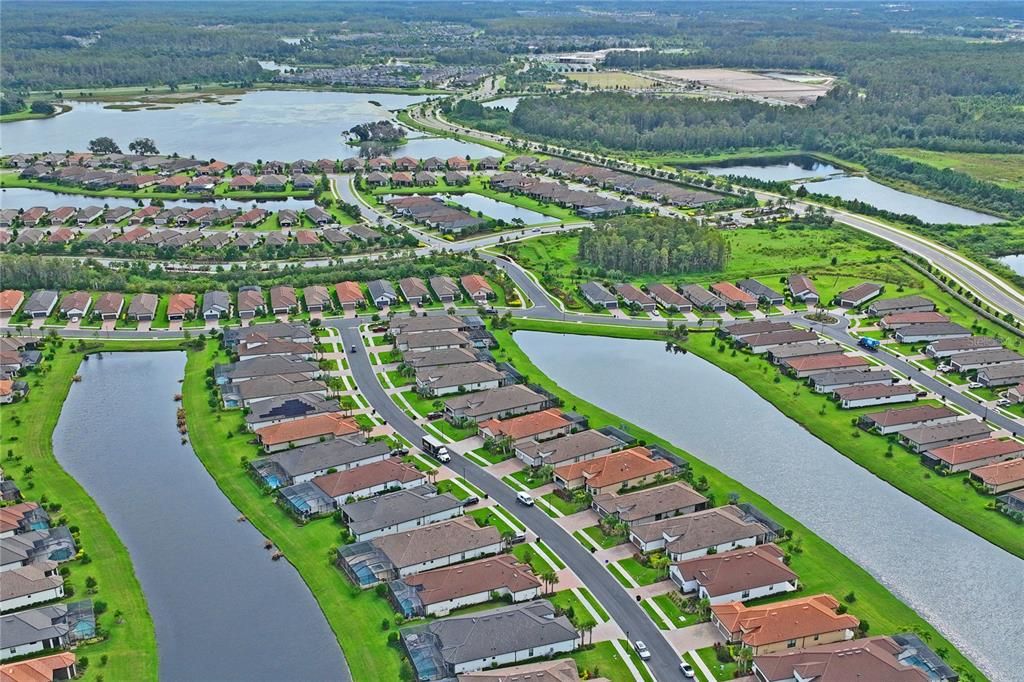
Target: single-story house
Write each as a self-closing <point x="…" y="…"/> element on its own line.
<point x="692" y="535"/>
<point x="668" y="298"/>
<point x="538" y="426"/>
<point x="398" y="555"/>
<point x="781" y="625"/>
<point x="740" y="330"/>
<point x="350" y="296"/>
<point x="398" y="512"/>
<point x="1001" y="375"/>
<point x="439" y="592"/>
<point x="432" y="340"/>
<point x="575" y="447"/>
<point x="597" y="295"/>
<point x="737" y="575"/>
<point x="902" y="419"/>
<point x="75" y="305"/>
<point x="426" y="323"/>
<point x="873" y="658"/>
<point x="633" y="297"/>
<point x="966" y="362"/>
<point x="382" y="293"/>
<point x="760" y="343"/>
<point x="780" y="354"/>
<point x="143" y="307"/>
<point x="55" y="667"/>
<point x="315" y="429"/>
<point x="477" y="288"/>
<point x="895" y="321"/>
<point x="761" y="292"/>
<point x="10" y="302"/>
<point x="438" y="358"/>
<point x="808" y="365"/>
<point x="252" y="391"/>
<point x="371" y="479"/>
<point x="414" y="291"/>
<point x="263" y="366"/>
<point x="445" y="648"/>
<point x="614" y="472"/>
<point x="903" y="304"/>
<point x="31" y="584"/>
<point x="979" y="453"/>
<point x="801" y="288"/>
<point x="448" y="379"/>
<point x="926" y="438"/>
<point x="302" y="464"/>
<point x="216" y="305"/>
<point x="650" y="505"/>
<point x="288" y="408"/>
<point x="868" y="395"/>
<point x="445" y="289"/>
<point x="316" y="297"/>
<point x="1002" y="477"/>
<point x="507" y="401"/>
<point x="858" y="295"/>
<point x="827" y="382"/>
<point x="250" y="302"/>
<point x="283" y="299"/>
<point x="109" y="306"/>
<point x="734" y="296"/>
<point x="31" y="547"/>
<point x="914" y="333"/>
<point x="944" y="348"/>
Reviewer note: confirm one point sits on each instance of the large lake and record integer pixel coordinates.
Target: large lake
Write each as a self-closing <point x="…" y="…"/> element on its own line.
<point x="776" y="172"/>
<point x="968" y="588"/>
<point x="282" y="125"/>
<point x="25" y="197"/>
<point x="222" y="609"/>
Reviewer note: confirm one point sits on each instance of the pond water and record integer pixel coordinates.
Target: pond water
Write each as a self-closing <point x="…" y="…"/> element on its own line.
<point x="1014" y="262"/>
<point x="775" y="171"/>
<point x="957" y="581"/>
<point x="509" y="103"/>
<point x="265" y="124"/>
<point x="889" y="199"/>
<point x="499" y="210"/>
<point x="222" y="609"/>
<point x="26" y="197"/>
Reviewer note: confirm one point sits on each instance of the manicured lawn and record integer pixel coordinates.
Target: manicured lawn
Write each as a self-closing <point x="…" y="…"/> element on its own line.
<point x="527" y="553"/>
<point x="492" y="457"/>
<point x="448" y="486"/>
<point x="612" y="79"/>
<point x="561" y="505"/>
<point x="605" y="541"/>
<point x="674" y="613"/>
<point x="821" y="567"/>
<point x="526" y="477"/>
<point x="27" y="429"/>
<point x="420" y="463"/>
<point x="721" y="671"/>
<point x="456" y="433"/>
<point x="566" y="600"/>
<point x="601" y="660"/>
<point x="594" y="604"/>
<point x="398" y="379"/>
<point x="640" y="573"/>
<point x="379" y="340"/>
<point x="485" y="517"/>
<point x="354" y="615"/>
<point x="420" y="405"/>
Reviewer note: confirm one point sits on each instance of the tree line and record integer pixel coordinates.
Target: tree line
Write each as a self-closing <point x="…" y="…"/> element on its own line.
<point x="653" y="246"/>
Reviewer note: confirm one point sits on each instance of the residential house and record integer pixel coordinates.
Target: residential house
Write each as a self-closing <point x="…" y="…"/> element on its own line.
<point x="873" y="658"/>
<point x="802" y="289"/>
<point x="371" y="479"/>
<point x="41" y="303"/>
<point x="350" y="296"/>
<point x="858" y="295"/>
<point x="426" y="323"/>
<point x="398" y="555"/>
<point x="734" y="296"/>
<point x="271" y="183"/>
<point x="901" y="419"/>
<point x="965" y="456"/>
<point x="287" y="217"/>
<point x="703" y="299"/>
<point x="75" y="305"/>
<point x="438" y="358"/>
<point x="250" y="218"/>
<point x="619" y="470"/>
<point x="895" y="321"/>
<point x="398" y="512"/>
<point x="635" y="298"/>
<point x="116" y="214"/>
<point x="455" y="178"/>
<point x="44" y="544"/>
<point x="437" y="593"/>
<point x="445" y="289"/>
<point x="216" y="305"/>
<point x="795" y="623"/>
<point x="247" y="393"/>
<point x="317" y="299"/>
<point x="282" y="300"/>
<point x="434" y="340"/>
<point x="914" y="333"/>
<point x="538" y="426"/>
<point x="830" y="381"/>
<point x="109" y="306"/>
<point x="924" y="438"/>
<point x="457" y="163"/>
<point x="972" y="360"/>
<point x="763" y="293"/>
<point x="377" y="179"/>
<point x="250" y="302"/>
<point x="477" y="288"/>
<point x="684" y="537"/>
<point x="761" y="343"/>
<point x="10" y="302"/>
<point x="303" y="464"/>
<point x="181" y="307"/>
<point x="414" y="291"/>
<point x="268" y="365"/>
<point x="1009" y="374"/>
<point x="1002" y="477"/>
<point x="23" y="517"/>
<point x="738" y="575"/>
<point x="176" y="183"/>
<point x="243" y="182"/>
<point x="31" y="584"/>
<point x="944" y="348"/>
<point x="651" y="504"/>
<point x="449" y="379"/>
<point x="201" y="183"/>
<point x="668" y="298"/>
<point x="575" y="447"/>
<point x="507" y="401"/>
<point x="382" y="294"/>
<point x="597" y="296"/>
<point x="314" y="429"/>
<point x="319" y="216"/>
<point x="803" y="367"/>
<point x="303" y="181"/>
<point x="904" y="304"/>
<point x="869" y="395"/>
<point x="288" y="408"/>
<point x="442" y="649"/>
<point x="44" y="628"/>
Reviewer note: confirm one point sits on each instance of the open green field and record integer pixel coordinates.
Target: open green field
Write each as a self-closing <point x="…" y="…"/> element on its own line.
<point x="601" y="80"/>
<point x="821" y="567"/>
<point x="354" y="615"/>
<point x="27" y="431"/>
<point x="767" y="254"/>
<point x="1005" y="170"/>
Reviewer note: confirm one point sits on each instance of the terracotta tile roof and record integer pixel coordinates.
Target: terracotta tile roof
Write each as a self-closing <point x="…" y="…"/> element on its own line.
<point x="784" y="620"/>
<point x="615" y="468"/>
<point x="11" y="516"/>
<point x="731" y="292"/>
<point x="386" y="471"/>
<point x="473" y="577"/>
<point x="526" y="425"/>
<point x="181" y="304"/>
<point x="476" y="283"/>
<point x="6" y="387"/>
<point x="960" y="453"/>
<point x="11" y="299"/>
<point x="328" y="424"/>
<point x="348" y="292"/>
<point x="37" y="669"/>
<point x="1001" y="473"/>
<point x="857" y="660"/>
<point x="914" y="318"/>
<point x="828" y="361"/>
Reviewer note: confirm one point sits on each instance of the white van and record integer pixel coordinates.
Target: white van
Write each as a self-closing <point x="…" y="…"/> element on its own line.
<point x="524" y="499"/>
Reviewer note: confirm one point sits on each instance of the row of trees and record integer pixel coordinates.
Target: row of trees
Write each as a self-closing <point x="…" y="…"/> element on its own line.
<point x="653" y="246"/>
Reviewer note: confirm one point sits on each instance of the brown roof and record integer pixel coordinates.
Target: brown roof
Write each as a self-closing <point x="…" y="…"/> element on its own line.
<point x="914" y="318"/>
<point x="473" y="577"/>
<point x="110" y="302"/>
<point x="827" y="361"/>
<point x="283" y="296"/>
<point x="859" y="291"/>
<point x="348" y="292"/>
<point x="784" y="620"/>
<point x="909" y="415"/>
<point x="873" y="391"/>
<point x="10" y="299"/>
<point x="616" y="468"/>
<point x="558" y="670"/>
<point x="731" y="292"/>
<point x="436" y="540"/>
<point x="250" y="299"/>
<point x="343" y="483"/>
<point x="526" y="425"/>
<point x="737" y="570"/>
<point x="76" y="300"/>
<point x="413" y="286"/>
<point x="1001" y="473"/>
<point x="11" y="516"/>
<point x="475" y="283"/>
<point x="316" y="295"/>
<point x="857" y="660"/>
<point x="701" y="529"/>
<point x="181" y="304"/>
<point x="37" y="669"/>
<point x="328" y="424"/>
<point x="960" y="453"/>
<point x="657" y="500"/>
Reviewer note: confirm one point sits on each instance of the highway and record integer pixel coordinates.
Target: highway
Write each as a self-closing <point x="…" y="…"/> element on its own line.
<point x="623" y="609"/>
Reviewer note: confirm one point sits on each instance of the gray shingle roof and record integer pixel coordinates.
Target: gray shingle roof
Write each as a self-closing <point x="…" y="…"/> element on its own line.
<point x="336" y="453"/>
<point x="376" y="513"/>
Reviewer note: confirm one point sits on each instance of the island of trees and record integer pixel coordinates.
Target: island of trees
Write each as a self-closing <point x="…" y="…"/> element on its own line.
<point x="653" y="246"/>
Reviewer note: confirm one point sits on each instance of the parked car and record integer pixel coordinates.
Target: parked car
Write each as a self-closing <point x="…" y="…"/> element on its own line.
<point x="687" y="670"/>
<point x="470" y="501"/>
<point x="641" y="648"/>
<point x="524" y="499"/>
<point x="1003" y="402"/>
<point x="974" y="384"/>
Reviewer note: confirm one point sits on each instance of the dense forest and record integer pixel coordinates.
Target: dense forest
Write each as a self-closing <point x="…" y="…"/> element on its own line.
<point x="653" y="246"/>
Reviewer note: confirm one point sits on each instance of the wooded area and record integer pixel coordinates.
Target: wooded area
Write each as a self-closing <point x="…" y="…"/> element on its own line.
<point x="653" y="246"/>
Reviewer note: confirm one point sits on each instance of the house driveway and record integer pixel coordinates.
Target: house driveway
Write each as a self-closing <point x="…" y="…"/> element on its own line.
<point x="108" y="325"/>
<point x="694" y="637"/>
<point x="623" y="551"/>
<point x="176" y="325"/>
<point x="145" y="325"/>
<point x="578" y="521"/>
<point x="505" y="468"/>
<point x="37" y="323"/>
<point x="74" y="324"/>
<point x="210" y="324"/>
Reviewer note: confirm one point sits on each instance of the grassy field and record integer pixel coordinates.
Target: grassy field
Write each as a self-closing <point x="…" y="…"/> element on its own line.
<point x="766" y="254"/>
<point x="27" y="429"/>
<point x="354" y="615"/>
<point x="1005" y="170"/>
<point x="616" y="80"/>
<point x="821" y="567"/>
